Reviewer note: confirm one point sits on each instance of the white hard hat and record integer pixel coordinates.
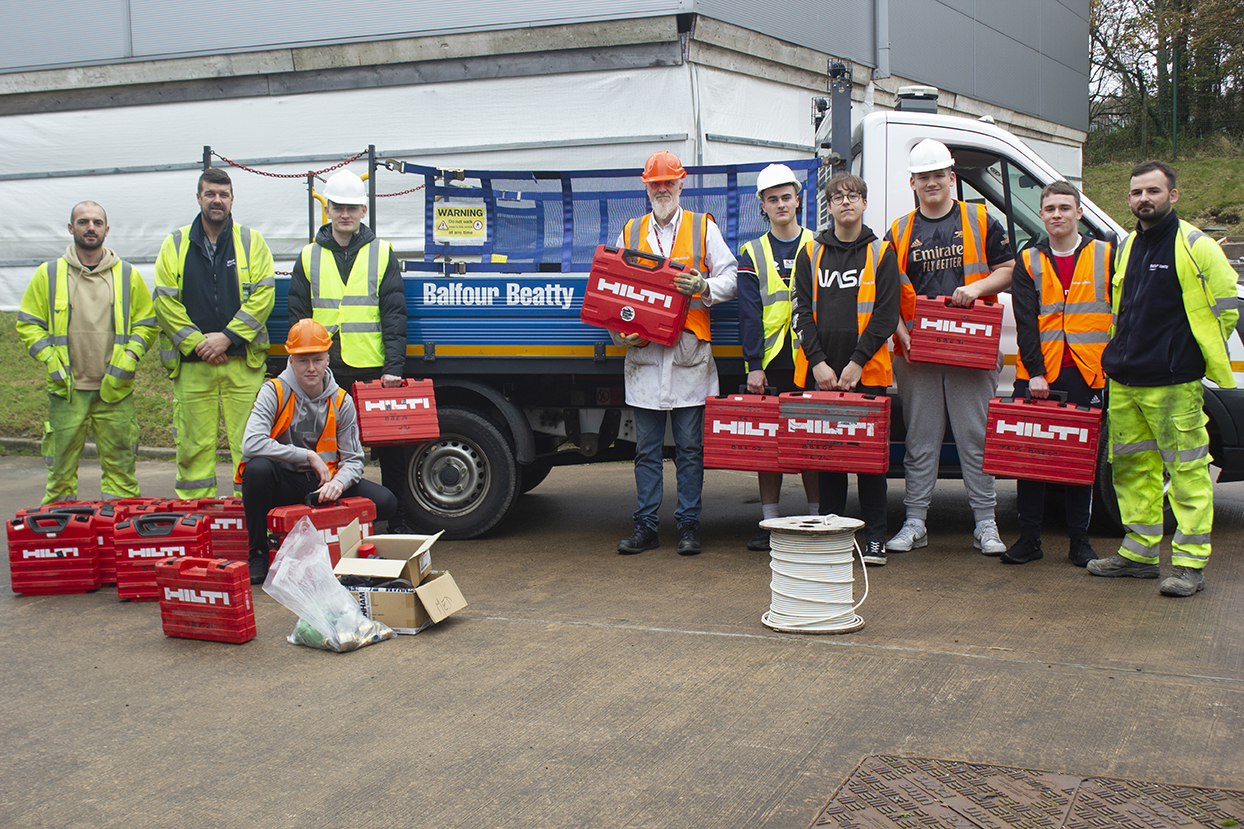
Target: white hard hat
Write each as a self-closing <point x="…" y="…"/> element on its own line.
<point x="775" y="175"/>
<point x="929" y="155"/>
<point x="344" y="187"/>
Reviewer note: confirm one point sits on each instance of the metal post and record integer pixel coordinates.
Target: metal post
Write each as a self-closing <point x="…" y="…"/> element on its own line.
<point x="1175" y="103"/>
<point x="371" y="185"/>
<point x="840" y="115"/>
<point x="207" y="157"/>
<point x="311" y="223"/>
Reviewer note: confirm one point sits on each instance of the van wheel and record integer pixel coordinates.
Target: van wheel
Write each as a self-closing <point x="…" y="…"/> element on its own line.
<point x="466" y="480"/>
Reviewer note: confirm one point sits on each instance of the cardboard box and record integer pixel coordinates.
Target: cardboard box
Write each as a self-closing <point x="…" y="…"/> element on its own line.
<point x="405" y="609"/>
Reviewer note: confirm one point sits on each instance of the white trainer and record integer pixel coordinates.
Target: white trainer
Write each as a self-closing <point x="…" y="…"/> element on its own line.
<point x="909" y="537"/>
<point x="985" y="538"/>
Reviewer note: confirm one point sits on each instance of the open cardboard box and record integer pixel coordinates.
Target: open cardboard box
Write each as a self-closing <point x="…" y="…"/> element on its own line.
<point x="408" y="557"/>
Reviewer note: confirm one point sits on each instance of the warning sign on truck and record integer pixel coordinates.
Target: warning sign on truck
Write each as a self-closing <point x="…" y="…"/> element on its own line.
<point x="463" y="223"/>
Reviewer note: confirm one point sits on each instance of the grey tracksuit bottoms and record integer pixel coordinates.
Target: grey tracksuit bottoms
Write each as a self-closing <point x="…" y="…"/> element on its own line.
<point x="929" y="392"/>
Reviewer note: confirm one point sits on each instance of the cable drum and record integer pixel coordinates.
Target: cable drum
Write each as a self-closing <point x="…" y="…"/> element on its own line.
<point x="812" y="583"/>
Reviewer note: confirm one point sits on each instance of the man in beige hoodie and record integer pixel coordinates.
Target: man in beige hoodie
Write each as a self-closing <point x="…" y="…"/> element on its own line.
<point x="88" y="317"/>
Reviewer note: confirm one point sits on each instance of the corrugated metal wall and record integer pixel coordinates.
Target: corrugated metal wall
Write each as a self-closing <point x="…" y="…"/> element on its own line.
<point x="1027" y="55"/>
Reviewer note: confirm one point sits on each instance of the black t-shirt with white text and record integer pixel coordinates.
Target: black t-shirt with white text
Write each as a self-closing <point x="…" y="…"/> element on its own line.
<point x="935" y="255"/>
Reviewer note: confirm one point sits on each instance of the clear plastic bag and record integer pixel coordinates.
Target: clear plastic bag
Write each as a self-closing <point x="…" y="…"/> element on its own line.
<point x="301" y="579"/>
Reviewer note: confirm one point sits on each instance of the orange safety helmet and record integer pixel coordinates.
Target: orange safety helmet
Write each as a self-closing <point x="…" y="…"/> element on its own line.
<point x="663" y="166"/>
<point x="307" y="337"/>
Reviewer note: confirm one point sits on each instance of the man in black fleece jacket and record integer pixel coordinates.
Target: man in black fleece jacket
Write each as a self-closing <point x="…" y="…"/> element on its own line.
<point x="846" y="305"/>
<point x="349" y="281"/>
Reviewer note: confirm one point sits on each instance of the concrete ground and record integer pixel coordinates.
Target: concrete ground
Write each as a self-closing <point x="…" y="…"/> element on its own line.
<point x="583" y="688"/>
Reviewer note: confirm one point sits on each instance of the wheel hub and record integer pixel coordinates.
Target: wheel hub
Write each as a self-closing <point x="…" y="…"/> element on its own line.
<point x="450" y="476"/>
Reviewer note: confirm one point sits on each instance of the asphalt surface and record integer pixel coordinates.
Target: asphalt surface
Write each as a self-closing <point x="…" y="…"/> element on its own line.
<point x="583" y="688"/>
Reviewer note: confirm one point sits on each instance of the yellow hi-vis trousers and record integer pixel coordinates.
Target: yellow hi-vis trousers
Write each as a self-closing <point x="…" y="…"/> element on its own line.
<point x="116" y="438"/>
<point x="200" y="392"/>
<point x="1151" y="428"/>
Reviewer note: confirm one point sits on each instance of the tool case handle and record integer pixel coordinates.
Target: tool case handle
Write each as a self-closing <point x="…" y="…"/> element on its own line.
<point x="47" y="523"/>
<point x="161" y="524"/>
<point x="771" y="391"/>
<point x="640" y="259"/>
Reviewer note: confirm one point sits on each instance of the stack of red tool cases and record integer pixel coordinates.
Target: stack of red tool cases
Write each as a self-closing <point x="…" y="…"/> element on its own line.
<point x="403" y="414"/>
<point x="633" y="292"/>
<point x="105" y="518"/>
<point x="204" y="598"/>
<point x="53" y="552"/>
<point x="327" y="518"/>
<point x="835" y="431"/>
<point x="1042" y="440"/>
<point x="143" y="540"/>
<point x="226" y="521"/>
<point x="951" y="335"/>
<point x="741" y="432"/>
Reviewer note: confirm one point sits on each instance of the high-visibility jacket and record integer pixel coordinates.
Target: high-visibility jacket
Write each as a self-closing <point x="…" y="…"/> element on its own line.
<point x="349" y="310"/>
<point x="974" y="218"/>
<point x="256" y="286"/>
<point x="1078" y="317"/>
<point x="877" y="371"/>
<point x="325" y="446"/>
<point x="688" y="249"/>
<point x="1207" y="282"/>
<point x="774" y="298"/>
<point x="43" y="326"/>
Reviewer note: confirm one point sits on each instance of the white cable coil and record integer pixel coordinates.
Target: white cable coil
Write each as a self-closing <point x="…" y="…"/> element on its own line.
<point x="812" y="582"/>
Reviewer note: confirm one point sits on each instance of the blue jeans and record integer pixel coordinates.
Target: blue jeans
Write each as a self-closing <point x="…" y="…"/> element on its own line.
<point x="688" y="462"/>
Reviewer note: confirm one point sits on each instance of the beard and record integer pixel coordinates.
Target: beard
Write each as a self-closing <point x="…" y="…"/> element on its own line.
<point x="89" y="244"/>
<point x="663" y="210"/>
<point x="1151" y="212"/>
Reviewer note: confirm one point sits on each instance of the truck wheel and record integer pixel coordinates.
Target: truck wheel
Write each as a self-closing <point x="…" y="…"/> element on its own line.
<point x="534" y="473"/>
<point x="465" y="481"/>
<point x="1106" y="501"/>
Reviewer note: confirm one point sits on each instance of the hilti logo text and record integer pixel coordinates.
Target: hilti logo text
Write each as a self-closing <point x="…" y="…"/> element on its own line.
<point x="1036" y="430"/>
<point x="157" y="552"/>
<point x="187" y="594"/>
<point x="952" y="327"/>
<point x="397" y="405"/>
<point x="821" y="427"/>
<point x="226" y="523"/>
<point x="331" y="534"/>
<point x="56" y="552"/>
<point x="627" y="292"/>
<point x="740" y="427"/>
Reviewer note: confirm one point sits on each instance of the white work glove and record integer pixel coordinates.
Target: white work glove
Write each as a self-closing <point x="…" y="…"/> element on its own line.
<point x="691" y="283"/>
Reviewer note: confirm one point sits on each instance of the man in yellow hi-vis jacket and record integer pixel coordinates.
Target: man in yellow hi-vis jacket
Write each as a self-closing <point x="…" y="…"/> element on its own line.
<point x="214" y="289"/>
<point x="1174" y="307"/>
<point x="87" y="316"/>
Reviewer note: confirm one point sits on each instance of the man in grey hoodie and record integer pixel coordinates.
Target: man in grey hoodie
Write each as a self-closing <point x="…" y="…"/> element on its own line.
<point x="302" y="439"/>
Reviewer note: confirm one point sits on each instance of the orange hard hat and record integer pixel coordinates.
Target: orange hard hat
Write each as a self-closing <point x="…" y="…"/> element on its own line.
<point x="663" y="166"/>
<point x="307" y="337"/>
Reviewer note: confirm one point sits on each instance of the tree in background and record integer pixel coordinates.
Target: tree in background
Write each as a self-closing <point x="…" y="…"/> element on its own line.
<point x="1159" y="65"/>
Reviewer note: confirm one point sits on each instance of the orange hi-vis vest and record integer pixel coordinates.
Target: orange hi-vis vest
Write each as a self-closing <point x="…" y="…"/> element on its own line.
<point x="688" y="249"/>
<point x="975" y="264"/>
<point x="877" y="371"/>
<point x="1078" y="316"/>
<point x="325" y="447"/>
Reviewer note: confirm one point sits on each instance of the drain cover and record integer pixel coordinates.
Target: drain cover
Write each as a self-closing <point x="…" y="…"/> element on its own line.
<point x="924" y="793"/>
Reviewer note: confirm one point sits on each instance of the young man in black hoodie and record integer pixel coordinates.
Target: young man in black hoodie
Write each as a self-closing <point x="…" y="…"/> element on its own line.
<point x="846" y="305"/>
<point x="349" y="281"/>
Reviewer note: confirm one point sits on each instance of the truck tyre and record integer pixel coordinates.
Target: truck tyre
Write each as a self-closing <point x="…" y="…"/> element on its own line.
<point x="466" y="480"/>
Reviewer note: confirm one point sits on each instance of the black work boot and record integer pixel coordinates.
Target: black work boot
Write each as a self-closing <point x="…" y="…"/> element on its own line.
<point x="1081" y="551"/>
<point x="1027" y="549"/>
<point x="642" y="538"/>
<point x="688" y="539"/>
<point x="258" y="564"/>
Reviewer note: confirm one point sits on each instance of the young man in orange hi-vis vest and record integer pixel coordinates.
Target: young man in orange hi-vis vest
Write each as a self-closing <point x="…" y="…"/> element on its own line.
<point x="673" y="381"/>
<point x="945" y="248"/>
<point x="1061" y="298"/>
<point x="302" y="438"/>
<point x="846" y="304"/>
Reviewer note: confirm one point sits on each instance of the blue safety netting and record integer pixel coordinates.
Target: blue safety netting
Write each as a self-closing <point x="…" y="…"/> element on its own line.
<point x="553" y="221"/>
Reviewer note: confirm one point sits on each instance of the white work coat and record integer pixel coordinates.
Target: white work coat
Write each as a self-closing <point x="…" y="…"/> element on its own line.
<point x="683" y="374"/>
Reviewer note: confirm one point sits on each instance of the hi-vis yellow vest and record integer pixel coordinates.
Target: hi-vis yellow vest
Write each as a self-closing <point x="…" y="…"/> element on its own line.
<point x="774" y="298"/>
<point x="350" y="310"/>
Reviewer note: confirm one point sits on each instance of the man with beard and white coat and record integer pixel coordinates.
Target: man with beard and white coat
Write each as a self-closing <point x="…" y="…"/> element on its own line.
<point x="88" y="317"/>
<point x="674" y="379"/>
<point x="301" y="439"/>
